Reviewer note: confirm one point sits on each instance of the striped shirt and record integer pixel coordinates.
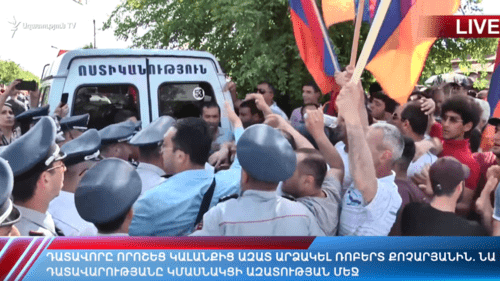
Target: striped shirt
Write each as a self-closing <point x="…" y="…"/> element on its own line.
<point x="374" y="219"/>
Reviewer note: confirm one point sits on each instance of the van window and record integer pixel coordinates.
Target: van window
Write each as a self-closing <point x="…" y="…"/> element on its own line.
<point x="44" y="95"/>
<point x="181" y="100"/>
<point x="107" y="104"/>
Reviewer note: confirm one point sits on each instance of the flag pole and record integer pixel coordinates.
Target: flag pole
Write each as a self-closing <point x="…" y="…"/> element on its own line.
<point x="325" y="35"/>
<point x="357" y="28"/>
<point x="370" y="40"/>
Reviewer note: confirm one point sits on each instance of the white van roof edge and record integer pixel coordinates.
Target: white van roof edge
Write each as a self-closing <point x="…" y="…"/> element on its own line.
<point x="64" y="61"/>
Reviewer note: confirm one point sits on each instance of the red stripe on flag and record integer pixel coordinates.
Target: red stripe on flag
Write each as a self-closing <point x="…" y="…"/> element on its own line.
<point x="181" y="243"/>
<point x="26" y="258"/>
<point x="311" y="45"/>
<point x="11" y="256"/>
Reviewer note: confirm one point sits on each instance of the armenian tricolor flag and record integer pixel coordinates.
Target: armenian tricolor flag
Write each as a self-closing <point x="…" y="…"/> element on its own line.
<point x="401" y="48"/>
<point x="493" y="100"/>
<point x="337" y="11"/>
<point x="494" y="92"/>
<point x="400" y="51"/>
<point x="315" y="49"/>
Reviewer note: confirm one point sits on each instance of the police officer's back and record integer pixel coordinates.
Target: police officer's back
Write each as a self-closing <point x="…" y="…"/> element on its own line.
<point x="266" y="158"/>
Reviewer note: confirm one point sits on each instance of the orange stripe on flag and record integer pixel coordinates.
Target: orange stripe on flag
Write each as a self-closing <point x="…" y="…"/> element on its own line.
<point x="399" y="63"/>
<point x="336" y="11"/>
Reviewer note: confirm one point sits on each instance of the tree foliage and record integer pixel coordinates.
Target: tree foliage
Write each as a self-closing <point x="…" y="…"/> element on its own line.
<point x="9" y="71"/>
<point x="253" y="39"/>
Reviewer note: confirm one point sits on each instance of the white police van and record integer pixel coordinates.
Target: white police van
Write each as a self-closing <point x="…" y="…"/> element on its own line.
<point x="113" y="84"/>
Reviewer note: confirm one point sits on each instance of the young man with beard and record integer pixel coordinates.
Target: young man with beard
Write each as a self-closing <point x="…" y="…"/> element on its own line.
<point x="250" y="114"/>
<point x="438" y="218"/>
<point x="311" y="186"/>
<point x="210" y="112"/>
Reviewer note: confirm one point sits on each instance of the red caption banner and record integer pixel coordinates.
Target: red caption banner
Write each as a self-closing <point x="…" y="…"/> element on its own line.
<point x="461" y="26"/>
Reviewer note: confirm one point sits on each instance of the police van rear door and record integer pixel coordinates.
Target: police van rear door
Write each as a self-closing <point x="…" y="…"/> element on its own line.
<point x="112" y="89"/>
<point x="179" y="85"/>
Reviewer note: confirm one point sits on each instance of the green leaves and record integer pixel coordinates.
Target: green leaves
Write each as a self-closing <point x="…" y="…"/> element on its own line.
<point x="253" y="39"/>
<point x="9" y="71"/>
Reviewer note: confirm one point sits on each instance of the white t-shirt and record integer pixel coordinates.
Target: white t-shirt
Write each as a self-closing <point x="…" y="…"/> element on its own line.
<point x="374" y="219"/>
<point x="417" y="166"/>
<point x="347" y="181"/>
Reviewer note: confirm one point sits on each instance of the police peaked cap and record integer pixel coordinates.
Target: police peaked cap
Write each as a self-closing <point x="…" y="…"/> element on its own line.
<point x="265" y="154"/>
<point x="119" y="132"/>
<point x="77" y="122"/>
<point x="36" y="146"/>
<point x="35" y="113"/>
<point x="107" y="191"/>
<point x="9" y="214"/>
<point x="85" y="147"/>
<point x="154" y="132"/>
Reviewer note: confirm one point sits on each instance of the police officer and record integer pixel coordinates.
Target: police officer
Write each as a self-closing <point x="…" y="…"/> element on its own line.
<point x="266" y="158"/>
<point x="173" y="207"/>
<point x="72" y="127"/>
<point x="114" y="141"/>
<point x="38" y="169"/>
<point x="105" y="197"/>
<point x="81" y="154"/>
<point x="149" y="142"/>
<point x="9" y="214"/>
<point x="28" y="118"/>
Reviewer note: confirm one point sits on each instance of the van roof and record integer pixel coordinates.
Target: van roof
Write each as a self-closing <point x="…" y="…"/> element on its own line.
<point x="61" y="65"/>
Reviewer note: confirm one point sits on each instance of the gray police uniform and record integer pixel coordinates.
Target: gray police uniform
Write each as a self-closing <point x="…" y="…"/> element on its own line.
<point x="36" y="146"/>
<point x="152" y="137"/>
<point x="103" y="195"/>
<point x="9" y="214"/>
<point x="35" y="223"/>
<point x="63" y="209"/>
<point x="267" y="157"/>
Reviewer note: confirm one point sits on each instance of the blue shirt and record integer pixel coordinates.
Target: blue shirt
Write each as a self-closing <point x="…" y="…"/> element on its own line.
<point x="171" y="208"/>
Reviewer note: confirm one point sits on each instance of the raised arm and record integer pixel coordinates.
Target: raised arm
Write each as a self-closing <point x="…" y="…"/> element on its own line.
<point x="315" y="126"/>
<point x="350" y="103"/>
<point x="278" y="122"/>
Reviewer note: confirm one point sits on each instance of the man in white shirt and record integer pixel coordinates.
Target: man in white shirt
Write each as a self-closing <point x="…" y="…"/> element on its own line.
<point x="149" y="141"/>
<point x="370" y="205"/>
<point x="412" y="122"/>
<point x="38" y="169"/>
<point x="81" y="155"/>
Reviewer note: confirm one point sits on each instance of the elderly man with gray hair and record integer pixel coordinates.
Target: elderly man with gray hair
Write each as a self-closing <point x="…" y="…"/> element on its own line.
<point x="372" y="202"/>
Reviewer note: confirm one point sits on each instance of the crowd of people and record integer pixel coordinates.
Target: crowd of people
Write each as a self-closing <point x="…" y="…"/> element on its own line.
<point x="377" y="168"/>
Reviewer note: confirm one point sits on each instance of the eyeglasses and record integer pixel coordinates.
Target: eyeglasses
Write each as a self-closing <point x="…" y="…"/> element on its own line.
<point x="58" y="166"/>
<point x="261" y="91"/>
<point x="452" y="119"/>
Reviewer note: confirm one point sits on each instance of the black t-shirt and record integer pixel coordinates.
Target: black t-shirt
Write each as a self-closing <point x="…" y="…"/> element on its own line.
<point x="420" y="219"/>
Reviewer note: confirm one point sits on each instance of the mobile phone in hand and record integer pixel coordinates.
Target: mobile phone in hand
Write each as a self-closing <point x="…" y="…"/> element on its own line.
<point x="27" y="86"/>
<point x="64" y="98"/>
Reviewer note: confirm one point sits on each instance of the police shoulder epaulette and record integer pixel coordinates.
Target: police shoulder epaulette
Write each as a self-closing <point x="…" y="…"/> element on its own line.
<point x="289" y="197"/>
<point x="225" y="198"/>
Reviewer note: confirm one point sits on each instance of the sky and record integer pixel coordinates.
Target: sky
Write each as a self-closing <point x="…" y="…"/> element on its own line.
<point x="34" y="48"/>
